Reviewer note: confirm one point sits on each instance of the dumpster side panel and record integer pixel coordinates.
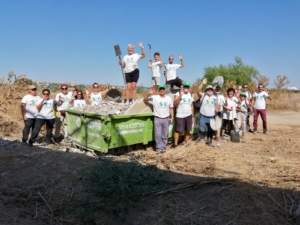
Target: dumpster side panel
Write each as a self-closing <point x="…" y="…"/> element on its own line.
<point x="130" y="131"/>
<point x="75" y="128"/>
<point x="101" y="133"/>
<point x="97" y="133"/>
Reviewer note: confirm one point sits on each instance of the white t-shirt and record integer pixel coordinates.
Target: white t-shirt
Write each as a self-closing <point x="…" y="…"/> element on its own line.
<point x="47" y="110"/>
<point x="184" y="108"/>
<point x="161" y="105"/>
<point x="131" y="62"/>
<point x="208" y="106"/>
<point x="30" y="102"/>
<point x="171" y="69"/>
<point x="65" y="99"/>
<point x="221" y="100"/>
<point x="79" y="103"/>
<point x="247" y="93"/>
<point x="96" y="98"/>
<point x="156" y="67"/>
<point x="231" y="103"/>
<point x="260" y="100"/>
<point x="244" y="106"/>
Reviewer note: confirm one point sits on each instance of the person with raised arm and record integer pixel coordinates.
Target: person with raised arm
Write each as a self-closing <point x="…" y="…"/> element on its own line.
<point x="156" y="67"/>
<point x="129" y="63"/>
<point x="171" y="68"/>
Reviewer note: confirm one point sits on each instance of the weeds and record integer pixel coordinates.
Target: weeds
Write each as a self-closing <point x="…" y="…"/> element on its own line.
<point x="114" y="189"/>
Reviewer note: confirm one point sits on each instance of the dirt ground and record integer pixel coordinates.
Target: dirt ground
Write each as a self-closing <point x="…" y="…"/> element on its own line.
<point x="255" y="182"/>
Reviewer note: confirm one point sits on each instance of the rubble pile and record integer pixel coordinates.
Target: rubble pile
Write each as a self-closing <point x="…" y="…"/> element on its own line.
<point x="114" y="108"/>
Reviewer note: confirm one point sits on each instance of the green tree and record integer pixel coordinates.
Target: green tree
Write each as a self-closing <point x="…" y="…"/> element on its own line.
<point x="237" y="72"/>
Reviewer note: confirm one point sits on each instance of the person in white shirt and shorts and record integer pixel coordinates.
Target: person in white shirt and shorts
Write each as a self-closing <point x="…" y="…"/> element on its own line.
<point x="184" y="113"/>
<point x="156" y="67"/>
<point x="130" y="67"/>
<point x="229" y="113"/>
<point x="171" y="72"/>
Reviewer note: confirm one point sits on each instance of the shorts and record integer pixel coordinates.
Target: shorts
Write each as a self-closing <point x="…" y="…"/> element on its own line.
<point x="155" y="80"/>
<point x="132" y="76"/>
<point x="184" y="124"/>
<point x="175" y="82"/>
<point x="227" y="125"/>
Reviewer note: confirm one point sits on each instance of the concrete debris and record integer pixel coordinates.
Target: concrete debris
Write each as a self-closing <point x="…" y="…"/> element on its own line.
<point x="114" y="108"/>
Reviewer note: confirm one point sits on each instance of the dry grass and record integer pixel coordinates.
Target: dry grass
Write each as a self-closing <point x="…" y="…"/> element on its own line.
<point x="284" y="100"/>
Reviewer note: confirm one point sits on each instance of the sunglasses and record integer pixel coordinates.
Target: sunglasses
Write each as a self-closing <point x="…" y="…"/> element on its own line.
<point x="46" y="93"/>
<point x="64" y="88"/>
<point x="33" y="89"/>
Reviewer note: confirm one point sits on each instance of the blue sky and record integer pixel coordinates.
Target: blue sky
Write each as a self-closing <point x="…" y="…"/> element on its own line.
<point x="73" y="40"/>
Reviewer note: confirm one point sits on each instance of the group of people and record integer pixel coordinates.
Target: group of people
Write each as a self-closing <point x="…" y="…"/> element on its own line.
<point x="130" y="67"/>
<point x="212" y="113"/>
<point x="231" y="111"/>
<point x="38" y="111"/>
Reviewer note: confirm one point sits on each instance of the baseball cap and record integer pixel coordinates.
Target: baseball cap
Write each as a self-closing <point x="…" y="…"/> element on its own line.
<point x="30" y="87"/>
<point x="186" y="84"/>
<point x="209" y="87"/>
<point x="162" y="86"/>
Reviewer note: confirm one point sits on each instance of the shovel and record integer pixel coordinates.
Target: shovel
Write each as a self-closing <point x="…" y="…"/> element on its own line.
<point x="119" y="55"/>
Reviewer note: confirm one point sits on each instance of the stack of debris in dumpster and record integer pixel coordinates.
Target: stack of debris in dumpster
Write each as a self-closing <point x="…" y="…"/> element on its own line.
<point x="115" y="108"/>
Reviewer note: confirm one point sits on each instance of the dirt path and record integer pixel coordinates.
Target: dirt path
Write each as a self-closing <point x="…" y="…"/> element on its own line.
<point x="256" y="181"/>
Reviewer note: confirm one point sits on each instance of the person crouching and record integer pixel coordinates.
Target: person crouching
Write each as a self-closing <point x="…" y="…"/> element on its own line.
<point x="46" y="115"/>
<point x="207" y="112"/>
<point x="163" y="115"/>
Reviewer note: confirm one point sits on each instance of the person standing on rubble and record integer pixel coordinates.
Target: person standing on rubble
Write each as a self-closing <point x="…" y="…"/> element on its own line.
<point x="171" y="68"/>
<point x="129" y="63"/>
<point x="156" y="67"/>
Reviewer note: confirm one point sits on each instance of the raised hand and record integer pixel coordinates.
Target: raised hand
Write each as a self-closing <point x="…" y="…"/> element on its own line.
<point x="141" y="45"/>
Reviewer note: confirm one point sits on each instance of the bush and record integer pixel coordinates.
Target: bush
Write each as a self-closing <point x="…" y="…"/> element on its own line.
<point x="236" y="73"/>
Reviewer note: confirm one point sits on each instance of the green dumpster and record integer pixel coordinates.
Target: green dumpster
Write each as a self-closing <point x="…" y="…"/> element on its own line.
<point x="101" y="133"/>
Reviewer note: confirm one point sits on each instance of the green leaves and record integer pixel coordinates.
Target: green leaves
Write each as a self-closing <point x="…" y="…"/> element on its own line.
<point x="237" y="72"/>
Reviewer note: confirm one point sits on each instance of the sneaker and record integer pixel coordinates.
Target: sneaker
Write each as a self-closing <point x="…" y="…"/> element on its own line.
<point x="265" y="131"/>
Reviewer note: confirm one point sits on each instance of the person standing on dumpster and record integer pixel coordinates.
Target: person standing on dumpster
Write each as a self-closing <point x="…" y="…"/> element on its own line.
<point x="163" y="116"/>
<point x="129" y="63"/>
